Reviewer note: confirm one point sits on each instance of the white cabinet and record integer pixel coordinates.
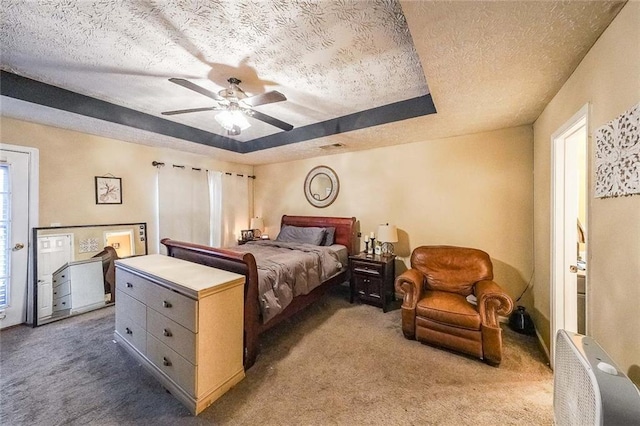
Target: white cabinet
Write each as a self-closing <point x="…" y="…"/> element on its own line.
<point x="78" y="287"/>
<point x="184" y="323"/>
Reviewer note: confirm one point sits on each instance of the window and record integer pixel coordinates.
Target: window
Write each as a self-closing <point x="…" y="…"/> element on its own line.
<point x="5" y="235"/>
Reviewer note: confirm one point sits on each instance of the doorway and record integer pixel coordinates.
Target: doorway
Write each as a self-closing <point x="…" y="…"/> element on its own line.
<point x="18" y="199"/>
<point x="121" y="241"/>
<point x="568" y="225"/>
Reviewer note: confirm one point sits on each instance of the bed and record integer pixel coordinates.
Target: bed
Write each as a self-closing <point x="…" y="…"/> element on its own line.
<point x="248" y="261"/>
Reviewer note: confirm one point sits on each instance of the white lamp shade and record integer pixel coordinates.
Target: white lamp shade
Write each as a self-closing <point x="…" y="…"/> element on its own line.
<point x="388" y="233"/>
<point x="257" y="223"/>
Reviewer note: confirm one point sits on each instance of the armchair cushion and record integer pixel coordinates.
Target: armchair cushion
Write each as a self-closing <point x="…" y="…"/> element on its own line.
<point x="453" y="269"/>
<point x="448" y="308"/>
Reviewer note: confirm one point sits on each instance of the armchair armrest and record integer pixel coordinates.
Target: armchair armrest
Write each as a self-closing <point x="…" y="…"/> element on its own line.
<point x="492" y="301"/>
<point x="410" y="284"/>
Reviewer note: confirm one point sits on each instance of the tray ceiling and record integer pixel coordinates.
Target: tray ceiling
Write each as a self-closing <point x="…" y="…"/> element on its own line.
<point x="353" y="72"/>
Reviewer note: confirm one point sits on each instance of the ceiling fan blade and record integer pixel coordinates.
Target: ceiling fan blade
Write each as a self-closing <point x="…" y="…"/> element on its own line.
<point x="184" y="111"/>
<point x="265" y="98"/>
<point x="271" y="120"/>
<point x="192" y="86"/>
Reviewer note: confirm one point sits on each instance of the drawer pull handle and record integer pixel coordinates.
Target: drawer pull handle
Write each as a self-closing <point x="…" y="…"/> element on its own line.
<point x="128" y="330"/>
<point x="166" y="362"/>
<point x="129" y="285"/>
<point x="166" y="304"/>
<point x="167" y="333"/>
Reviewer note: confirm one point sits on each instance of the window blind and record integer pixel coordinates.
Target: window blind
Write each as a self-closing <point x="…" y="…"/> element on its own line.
<point x="5" y="234"/>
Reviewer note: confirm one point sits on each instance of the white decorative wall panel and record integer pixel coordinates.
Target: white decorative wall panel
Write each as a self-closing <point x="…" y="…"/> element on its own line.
<point x="618" y="155"/>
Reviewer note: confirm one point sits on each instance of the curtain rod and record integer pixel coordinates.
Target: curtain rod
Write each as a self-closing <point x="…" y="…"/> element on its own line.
<point x="159" y="164"/>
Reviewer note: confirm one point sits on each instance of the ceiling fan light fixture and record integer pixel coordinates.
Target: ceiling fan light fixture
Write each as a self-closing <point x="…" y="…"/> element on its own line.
<point x="232" y="121"/>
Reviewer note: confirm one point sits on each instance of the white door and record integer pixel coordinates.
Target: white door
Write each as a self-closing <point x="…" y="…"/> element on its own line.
<point x="53" y="252"/>
<point x="14" y="237"/>
<point x="564" y="219"/>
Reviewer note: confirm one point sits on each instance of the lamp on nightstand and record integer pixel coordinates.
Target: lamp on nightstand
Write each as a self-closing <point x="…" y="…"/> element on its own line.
<point x="387" y="234"/>
<point x="257" y="224"/>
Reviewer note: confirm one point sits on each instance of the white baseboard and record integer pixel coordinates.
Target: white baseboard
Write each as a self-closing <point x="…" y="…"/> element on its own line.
<point x="544" y="347"/>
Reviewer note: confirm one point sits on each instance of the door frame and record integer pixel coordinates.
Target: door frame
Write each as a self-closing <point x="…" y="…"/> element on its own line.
<point x="561" y="229"/>
<point x="32" y="220"/>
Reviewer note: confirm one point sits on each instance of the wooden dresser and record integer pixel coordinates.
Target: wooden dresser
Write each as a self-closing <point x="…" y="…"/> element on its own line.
<point x="184" y="323"/>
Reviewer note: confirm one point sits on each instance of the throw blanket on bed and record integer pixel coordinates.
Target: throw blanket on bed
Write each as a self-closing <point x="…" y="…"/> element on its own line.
<point x="286" y="270"/>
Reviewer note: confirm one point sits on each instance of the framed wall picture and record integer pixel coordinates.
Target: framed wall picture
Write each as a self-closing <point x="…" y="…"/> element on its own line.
<point x="108" y="190"/>
<point x="246" y="235"/>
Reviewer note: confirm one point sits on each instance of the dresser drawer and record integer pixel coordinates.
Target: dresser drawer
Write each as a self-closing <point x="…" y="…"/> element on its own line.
<point x="172" y="364"/>
<point x="61" y="303"/>
<point x="175" y="306"/>
<point x="132" y="284"/>
<point x="366" y="268"/>
<point x="131" y="308"/>
<point x="61" y="277"/>
<point x="172" y="334"/>
<point x="62" y="289"/>
<point x="131" y="332"/>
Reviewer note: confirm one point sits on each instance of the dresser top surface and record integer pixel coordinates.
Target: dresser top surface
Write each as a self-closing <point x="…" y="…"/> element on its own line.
<point x="196" y="279"/>
<point x="74" y="263"/>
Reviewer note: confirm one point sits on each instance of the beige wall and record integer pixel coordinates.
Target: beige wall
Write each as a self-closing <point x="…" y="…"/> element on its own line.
<point x="473" y="191"/>
<point x="609" y="80"/>
<point x="70" y="160"/>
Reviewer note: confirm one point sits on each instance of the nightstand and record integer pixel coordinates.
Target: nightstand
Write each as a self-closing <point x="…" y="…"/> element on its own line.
<point x="372" y="279"/>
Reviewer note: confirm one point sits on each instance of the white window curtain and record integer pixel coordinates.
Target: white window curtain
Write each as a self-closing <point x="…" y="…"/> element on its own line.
<point x="183" y="205"/>
<point x="215" y="196"/>
<point x="235" y="211"/>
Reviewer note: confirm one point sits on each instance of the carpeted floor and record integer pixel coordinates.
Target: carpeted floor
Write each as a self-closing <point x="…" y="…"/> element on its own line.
<point x="335" y="364"/>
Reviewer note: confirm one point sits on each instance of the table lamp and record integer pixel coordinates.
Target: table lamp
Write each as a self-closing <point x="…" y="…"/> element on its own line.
<point x="257" y="224"/>
<point x="387" y="234"/>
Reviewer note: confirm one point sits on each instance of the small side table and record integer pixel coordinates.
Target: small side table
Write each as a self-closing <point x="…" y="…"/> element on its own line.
<point x="372" y="279"/>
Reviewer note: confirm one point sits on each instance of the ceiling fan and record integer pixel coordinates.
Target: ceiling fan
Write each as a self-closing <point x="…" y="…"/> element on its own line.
<point x="234" y="105"/>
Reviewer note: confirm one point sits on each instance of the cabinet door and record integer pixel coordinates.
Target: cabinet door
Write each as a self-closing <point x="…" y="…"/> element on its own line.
<point x="361" y="285"/>
<point x="367" y="287"/>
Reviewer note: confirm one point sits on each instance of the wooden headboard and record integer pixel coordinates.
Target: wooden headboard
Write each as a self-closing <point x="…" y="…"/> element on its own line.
<point x="345" y="227"/>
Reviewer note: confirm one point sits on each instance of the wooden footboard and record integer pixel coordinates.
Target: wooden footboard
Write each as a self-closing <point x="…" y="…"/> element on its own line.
<point x="245" y="264"/>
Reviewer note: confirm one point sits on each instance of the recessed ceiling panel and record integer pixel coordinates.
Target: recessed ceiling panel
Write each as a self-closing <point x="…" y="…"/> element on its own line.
<point x="331" y="59"/>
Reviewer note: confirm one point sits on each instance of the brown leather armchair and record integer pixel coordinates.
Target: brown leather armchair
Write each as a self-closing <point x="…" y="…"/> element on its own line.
<point x="435" y="309"/>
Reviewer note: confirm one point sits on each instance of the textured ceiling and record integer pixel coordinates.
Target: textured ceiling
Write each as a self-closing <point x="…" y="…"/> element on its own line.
<point x="489" y="65"/>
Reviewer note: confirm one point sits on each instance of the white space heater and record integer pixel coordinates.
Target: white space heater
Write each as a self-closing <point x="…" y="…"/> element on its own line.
<point x="588" y="388"/>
